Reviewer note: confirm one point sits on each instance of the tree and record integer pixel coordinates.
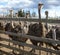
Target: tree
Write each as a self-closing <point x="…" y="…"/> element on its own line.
<point x="33" y="14"/>
<point x="21" y="13"/>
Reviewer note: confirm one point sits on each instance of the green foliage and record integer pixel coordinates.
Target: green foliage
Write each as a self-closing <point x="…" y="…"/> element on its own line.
<point x="21" y="13"/>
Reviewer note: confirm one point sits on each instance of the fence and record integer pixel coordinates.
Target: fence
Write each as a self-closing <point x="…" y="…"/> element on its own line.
<point x="31" y="20"/>
<point x="29" y="37"/>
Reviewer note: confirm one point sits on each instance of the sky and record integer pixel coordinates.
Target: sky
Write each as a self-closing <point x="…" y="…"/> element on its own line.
<point x="52" y="6"/>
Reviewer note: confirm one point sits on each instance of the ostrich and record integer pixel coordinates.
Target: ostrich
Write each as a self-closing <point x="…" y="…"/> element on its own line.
<point x="35" y="30"/>
<point x="16" y="29"/>
<point x="54" y="33"/>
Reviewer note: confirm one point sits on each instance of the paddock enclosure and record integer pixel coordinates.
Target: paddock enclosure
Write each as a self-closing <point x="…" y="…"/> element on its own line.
<point x="5" y="49"/>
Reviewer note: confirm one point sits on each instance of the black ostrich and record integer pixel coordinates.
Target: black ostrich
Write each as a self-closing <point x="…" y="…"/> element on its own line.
<point x="35" y="30"/>
<point x="16" y="29"/>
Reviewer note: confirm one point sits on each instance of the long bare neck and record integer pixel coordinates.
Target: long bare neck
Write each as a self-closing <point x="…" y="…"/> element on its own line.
<point x="12" y="24"/>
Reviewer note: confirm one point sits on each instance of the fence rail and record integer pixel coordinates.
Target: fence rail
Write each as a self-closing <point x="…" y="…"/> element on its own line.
<point x="13" y="48"/>
<point x="32" y="46"/>
<point x="32" y="37"/>
<point x="1" y="52"/>
<point x="28" y="45"/>
<point x="31" y="20"/>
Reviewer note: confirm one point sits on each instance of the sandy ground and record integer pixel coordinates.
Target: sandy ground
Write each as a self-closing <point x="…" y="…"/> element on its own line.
<point x="25" y="48"/>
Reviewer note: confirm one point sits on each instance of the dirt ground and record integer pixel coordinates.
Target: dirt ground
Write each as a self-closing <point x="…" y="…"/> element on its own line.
<point x="25" y="48"/>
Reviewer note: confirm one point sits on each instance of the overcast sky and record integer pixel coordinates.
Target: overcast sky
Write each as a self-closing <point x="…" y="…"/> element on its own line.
<point x="52" y="6"/>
